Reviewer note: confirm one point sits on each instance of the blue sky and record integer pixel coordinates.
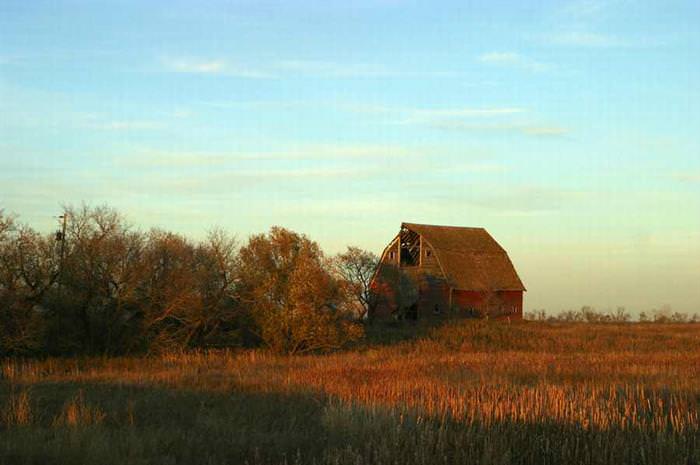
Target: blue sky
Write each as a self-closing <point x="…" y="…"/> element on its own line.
<point x="568" y="129"/>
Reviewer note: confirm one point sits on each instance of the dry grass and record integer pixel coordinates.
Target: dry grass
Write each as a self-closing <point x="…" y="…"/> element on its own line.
<point x="466" y="393"/>
<point x="76" y="412"/>
<point x="17" y="411"/>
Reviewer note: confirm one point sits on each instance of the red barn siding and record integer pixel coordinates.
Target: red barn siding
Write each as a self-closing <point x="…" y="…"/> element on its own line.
<point x="500" y="304"/>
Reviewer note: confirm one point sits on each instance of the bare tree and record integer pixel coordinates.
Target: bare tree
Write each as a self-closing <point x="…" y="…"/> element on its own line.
<point x="100" y="275"/>
<point x="355" y="268"/>
<point x="170" y="302"/>
<point x="27" y="271"/>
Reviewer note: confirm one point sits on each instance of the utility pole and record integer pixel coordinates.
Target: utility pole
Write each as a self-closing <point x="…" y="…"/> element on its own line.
<point x="61" y="236"/>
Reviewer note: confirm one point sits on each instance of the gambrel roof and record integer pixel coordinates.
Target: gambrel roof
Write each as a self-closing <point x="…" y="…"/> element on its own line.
<point x="470" y="258"/>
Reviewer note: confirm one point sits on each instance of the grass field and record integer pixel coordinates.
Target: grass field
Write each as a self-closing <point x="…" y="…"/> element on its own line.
<point x="469" y="392"/>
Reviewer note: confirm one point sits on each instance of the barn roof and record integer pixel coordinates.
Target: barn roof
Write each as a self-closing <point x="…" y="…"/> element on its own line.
<point x="470" y="258"/>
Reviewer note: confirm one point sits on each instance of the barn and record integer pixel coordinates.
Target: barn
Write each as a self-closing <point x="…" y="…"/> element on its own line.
<point x="429" y="270"/>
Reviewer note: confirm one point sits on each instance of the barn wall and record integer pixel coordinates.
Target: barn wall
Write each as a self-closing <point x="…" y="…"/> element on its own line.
<point x="428" y="262"/>
<point x="384" y="280"/>
<point x="501" y="304"/>
<point x="387" y="298"/>
<point x="427" y="277"/>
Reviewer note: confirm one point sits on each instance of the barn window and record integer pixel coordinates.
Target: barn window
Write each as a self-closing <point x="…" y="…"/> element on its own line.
<point x="428" y="252"/>
<point x="392" y="255"/>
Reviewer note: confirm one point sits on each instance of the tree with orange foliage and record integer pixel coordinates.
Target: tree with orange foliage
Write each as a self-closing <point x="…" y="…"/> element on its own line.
<point x="295" y="302"/>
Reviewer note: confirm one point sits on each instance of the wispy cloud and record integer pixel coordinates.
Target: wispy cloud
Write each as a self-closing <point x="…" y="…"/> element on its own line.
<point x="290" y="68"/>
<point x="459" y="118"/>
<point x="189" y="66"/>
<point x="584" y="9"/>
<point x="465" y="112"/>
<point x="544" y="130"/>
<point x="334" y="69"/>
<point x="581" y="24"/>
<point x="407" y="115"/>
<point x="586" y="39"/>
<point x="331" y="69"/>
<point x="398" y="112"/>
<point x="510" y="200"/>
<point x="512" y="59"/>
<point x="212" y="66"/>
<point x="687" y="176"/>
<point x="152" y="158"/>
<point x="526" y="199"/>
<point x="525" y="129"/>
<point x="477" y="167"/>
<point x="126" y="125"/>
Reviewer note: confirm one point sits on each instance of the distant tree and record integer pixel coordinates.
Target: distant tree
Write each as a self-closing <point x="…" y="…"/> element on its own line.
<point x="589" y="315"/>
<point x="678" y="317"/>
<point x="6" y="224"/>
<point x="663" y="314"/>
<point x="536" y="315"/>
<point x="643" y="317"/>
<point x="620" y="315"/>
<point x="292" y="297"/>
<point x="569" y="316"/>
<point x="355" y="268"/>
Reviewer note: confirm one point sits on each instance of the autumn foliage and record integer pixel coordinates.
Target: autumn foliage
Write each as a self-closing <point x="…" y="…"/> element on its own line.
<point x="108" y="288"/>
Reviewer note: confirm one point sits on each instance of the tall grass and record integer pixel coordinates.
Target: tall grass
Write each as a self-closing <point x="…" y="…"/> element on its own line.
<point x="469" y="392"/>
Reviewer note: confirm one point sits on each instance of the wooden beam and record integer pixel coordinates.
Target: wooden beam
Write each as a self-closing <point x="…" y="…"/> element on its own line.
<point x="420" y="250"/>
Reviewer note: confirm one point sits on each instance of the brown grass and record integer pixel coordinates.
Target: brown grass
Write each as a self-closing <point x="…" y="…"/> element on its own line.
<point x="17" y="411"/>
<point x="470" y="392"/>
<point x="76" y="412"/>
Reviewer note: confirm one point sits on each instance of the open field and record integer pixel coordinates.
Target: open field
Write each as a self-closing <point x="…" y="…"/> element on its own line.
<point x="469" y="392"/>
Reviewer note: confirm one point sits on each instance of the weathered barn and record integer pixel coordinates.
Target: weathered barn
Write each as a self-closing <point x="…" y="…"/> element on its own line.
<point x="430" y="270"/>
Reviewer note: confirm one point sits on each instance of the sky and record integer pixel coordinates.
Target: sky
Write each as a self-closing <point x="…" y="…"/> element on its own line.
<point x="569" y="130"/>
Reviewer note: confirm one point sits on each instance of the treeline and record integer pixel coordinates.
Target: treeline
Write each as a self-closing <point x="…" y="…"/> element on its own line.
<point x="589" y="314"/>
<point x="106" y="288"/>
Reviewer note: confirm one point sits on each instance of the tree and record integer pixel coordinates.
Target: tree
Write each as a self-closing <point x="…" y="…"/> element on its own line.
<point x="221" y="322"/>
<point x="170" y="303"/>
<point x="355" y="269"/>
<point x="678" y="317"/>
<point x="663" y="314"/>
<point x="27" y="272"/>
<point x="93" y="308"/>
<point x="295" y="303"/>
<point x="620" y="316"/>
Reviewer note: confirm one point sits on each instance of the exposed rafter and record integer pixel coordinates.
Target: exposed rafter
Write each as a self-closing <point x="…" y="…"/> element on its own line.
<point x="410" y="247"/>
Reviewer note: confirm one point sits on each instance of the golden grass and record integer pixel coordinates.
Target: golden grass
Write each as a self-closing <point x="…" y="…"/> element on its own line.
<point x="468" y="392"/>
<point x="18" y="410"/>
<point x="76" y="412"/>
